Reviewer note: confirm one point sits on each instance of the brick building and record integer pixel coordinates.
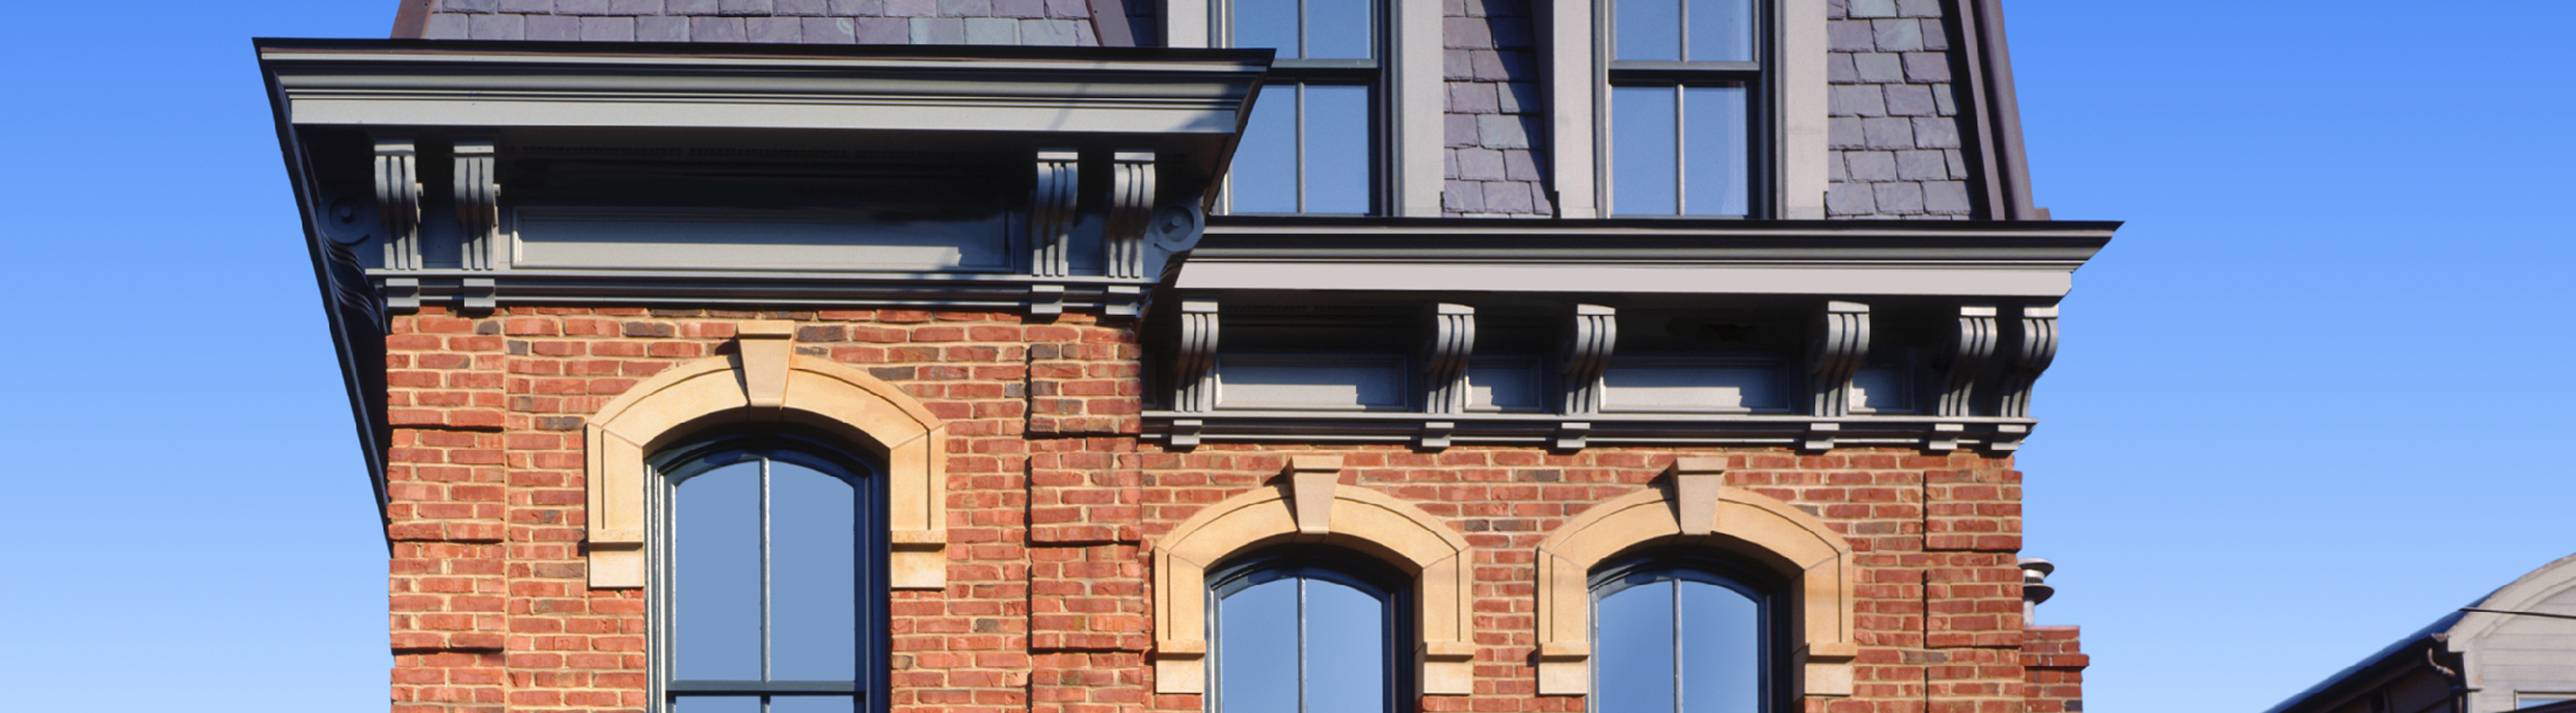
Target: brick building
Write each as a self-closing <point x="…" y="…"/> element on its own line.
<point x="1120" y="355"/>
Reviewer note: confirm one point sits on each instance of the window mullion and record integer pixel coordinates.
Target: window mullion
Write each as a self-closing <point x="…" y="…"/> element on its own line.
<point x="1302" y="683"/>
<point x="1299" y="160"/>
<point x="764" y="574"/>
<point x="1678" y="667"/>
<point x="1681" y="152"/>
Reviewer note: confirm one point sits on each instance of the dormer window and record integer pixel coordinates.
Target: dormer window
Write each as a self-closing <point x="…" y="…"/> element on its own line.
<point x="1685" y="79"/>
<point x="1310" y="146"/>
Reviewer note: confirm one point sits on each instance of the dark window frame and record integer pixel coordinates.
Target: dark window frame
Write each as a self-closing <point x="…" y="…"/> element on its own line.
<point x="1366" y="574"/>
<point x="1375" y="77"/>
<point x="674" y="466"/>
<point x="1770" y="594"/>
<point x="1761" y="102"/>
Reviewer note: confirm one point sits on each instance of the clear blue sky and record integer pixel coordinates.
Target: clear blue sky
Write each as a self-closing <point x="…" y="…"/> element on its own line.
<point x="2305" y="405"/>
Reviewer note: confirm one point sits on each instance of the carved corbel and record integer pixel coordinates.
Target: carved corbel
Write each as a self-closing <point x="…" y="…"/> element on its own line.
<point x="1587" y="354"/>
<point x="1841" y="343"/>
<point x="1051" y="211"/>
<point x="1131" y="200"/>
<point x="1444" y="363"/>
<point x="398" y="202"/>
<point x="1194" y="366"/>
<point x="478" y="203"/>
<point x="1594" y="335"/>
<point x="2036" y="348"/>
<point x="1969" y="348"/>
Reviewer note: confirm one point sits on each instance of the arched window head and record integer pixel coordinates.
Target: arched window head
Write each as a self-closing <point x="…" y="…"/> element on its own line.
<point x="1306" y="629"/>
<point x="768" y="597"/>
<point x="1680" y="633"/>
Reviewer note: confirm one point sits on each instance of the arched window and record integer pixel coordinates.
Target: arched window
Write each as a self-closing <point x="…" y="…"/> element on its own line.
<point x="1306" y="631"/>
<point x="1682" y="634"/>
<point x="769" y="594"/>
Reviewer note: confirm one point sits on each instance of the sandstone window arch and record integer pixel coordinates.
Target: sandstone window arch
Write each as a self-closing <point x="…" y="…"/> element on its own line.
<point x="765" y="381"/>
<point x="1310" y="506"/>
<point x="1693" y="510"/>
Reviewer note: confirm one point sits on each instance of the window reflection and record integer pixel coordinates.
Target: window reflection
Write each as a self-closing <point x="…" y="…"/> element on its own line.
<point x="759" y="608"/>
<point x="1302" y="635"/>
<point x="1310" y="145"/>
<point x="1679" y="637"/>
<point x="1684" y="75"/>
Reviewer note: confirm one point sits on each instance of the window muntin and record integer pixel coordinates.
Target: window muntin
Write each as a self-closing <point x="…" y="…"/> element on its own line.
<point x="764" y="591"/>
<point x="1682" y="635"/>
<point x="1304" y="632"/>
<point x="1311" y="144"/>
<point x="1685" y="82"/>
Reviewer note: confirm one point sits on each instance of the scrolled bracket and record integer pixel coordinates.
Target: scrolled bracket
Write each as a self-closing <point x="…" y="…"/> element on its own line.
<point x="2035" y="350"/>
<point x="398" y="202"/>
<point x="1970" y="347"/>
<point x="1131" y="201"/>
<point x="1842" y="341"/>
<point x="1193" y="369"/>
<point x="1453" y="340"/>
<point x="1594" y="334"/>
<point x="478" y="203"/>
<point x="1052" y="202"/>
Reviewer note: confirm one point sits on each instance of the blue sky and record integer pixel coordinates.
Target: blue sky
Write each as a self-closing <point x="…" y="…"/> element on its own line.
<point x="2306" y="401"/>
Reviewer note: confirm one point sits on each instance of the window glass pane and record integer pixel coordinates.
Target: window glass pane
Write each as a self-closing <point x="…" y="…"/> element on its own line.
<point x="1648" y="29"/>
<point x="1633" y="668"/>
<point x="1264" y="178"/>
<point x="1642" y="151"/>
<point x="1713" y="123"/>
<point x="716" y="562"/>
<point x="1267" y="23"/>
<point x="812" y="704"/>
<point x="719" y="704"/>
<point x="1721" y="30"/>
<point x="1721" y="650"/>
<point x="813" y="575"/>
<point x="1257" y="649"/>
<point x="1345" y="649"/>
<point x="1339" y="29"/>
<point x="1337" y="145"/>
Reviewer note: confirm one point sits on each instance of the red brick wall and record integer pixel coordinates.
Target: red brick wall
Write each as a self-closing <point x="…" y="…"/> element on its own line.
<point x="1053" y="505"/>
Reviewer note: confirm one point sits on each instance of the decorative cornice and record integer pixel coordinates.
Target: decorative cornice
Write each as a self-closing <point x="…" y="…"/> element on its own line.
<point x="1848" y="258"/>
<point x="704" y="86"/>
<point x="1564" y="433"/>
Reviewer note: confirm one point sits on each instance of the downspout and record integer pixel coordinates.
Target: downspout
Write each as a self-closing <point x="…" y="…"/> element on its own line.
<point x="2003" y="114"/>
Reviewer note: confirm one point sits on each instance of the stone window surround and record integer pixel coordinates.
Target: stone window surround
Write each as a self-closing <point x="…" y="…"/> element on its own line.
<point x="1416" y="94"/>
<point x="1693" y="508"/>
<point x="1309" y="505"/>
<point x="765" y="381"/>
<point x="1576" y="66"/>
